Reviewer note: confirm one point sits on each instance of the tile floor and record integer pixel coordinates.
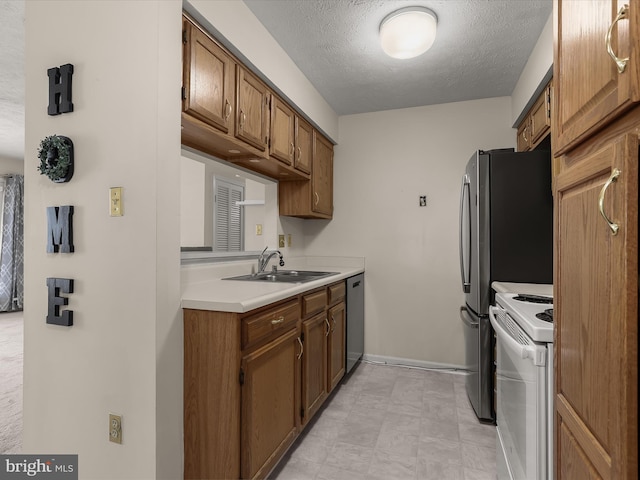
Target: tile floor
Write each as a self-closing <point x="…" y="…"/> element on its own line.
<point x="394" y="423"/>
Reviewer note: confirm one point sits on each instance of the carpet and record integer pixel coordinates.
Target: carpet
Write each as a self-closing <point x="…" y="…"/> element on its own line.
<point x="11" y="354"/>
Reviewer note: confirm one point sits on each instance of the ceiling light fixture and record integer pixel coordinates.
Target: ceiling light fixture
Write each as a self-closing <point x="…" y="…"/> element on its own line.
<point x="408" y="32"/>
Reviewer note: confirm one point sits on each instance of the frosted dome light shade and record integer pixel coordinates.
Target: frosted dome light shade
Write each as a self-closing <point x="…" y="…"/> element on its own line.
<point x="408" y="32"/>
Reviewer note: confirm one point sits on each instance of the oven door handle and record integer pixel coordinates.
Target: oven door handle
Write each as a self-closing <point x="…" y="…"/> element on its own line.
<point x="524" y="351"/>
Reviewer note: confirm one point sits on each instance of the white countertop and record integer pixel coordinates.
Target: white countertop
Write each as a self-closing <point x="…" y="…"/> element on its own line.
<point x="203" y="287"/>
<point x="523" y="288"/>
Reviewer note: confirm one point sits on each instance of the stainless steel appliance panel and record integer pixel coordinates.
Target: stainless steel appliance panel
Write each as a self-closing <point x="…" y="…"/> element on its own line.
<point x="355" y="320"/>
<point x="478" y="338"/>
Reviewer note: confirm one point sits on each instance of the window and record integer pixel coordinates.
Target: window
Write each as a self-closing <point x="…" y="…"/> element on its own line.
<point x="228" y="216"/>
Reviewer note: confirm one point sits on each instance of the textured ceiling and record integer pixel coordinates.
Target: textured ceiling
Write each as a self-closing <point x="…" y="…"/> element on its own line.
<point x="480" y="49"/>
<point x="479" y="52"/>
<point x="11" y="79"/>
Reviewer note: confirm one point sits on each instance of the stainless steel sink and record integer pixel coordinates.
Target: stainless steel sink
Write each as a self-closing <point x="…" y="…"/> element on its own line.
<point x="286" y="276"/>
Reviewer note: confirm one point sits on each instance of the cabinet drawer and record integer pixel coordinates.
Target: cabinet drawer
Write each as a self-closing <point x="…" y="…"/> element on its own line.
<point x="337" y="292"/>
<point x="269" y="322"/>
<point x="314" y="302"/>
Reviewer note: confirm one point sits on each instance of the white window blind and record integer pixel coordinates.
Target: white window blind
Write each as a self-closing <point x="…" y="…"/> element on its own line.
<point x="228" y="217"/>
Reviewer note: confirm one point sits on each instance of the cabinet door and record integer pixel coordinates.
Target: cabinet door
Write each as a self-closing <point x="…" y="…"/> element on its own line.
<point x="252" y="105"/>
<point x="314" y="364"/>
<point x="209" y="75"/>
<point x="322" y="176"/>
<point x="524" y="135"/>
<point x="596" y="314"/>
<point x="337" y="317"/>
<point x="541" y="116"/>
<point x="270" y="403"/>
<point x="281" y="144"/>
<point x="586" y="78"/>
<point x="304" y="145"/>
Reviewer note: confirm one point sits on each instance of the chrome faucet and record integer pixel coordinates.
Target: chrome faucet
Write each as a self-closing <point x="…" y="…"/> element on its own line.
<point x="264" y="260"/>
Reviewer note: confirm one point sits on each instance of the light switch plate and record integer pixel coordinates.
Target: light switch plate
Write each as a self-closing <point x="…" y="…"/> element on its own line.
<point x="280" y="241"/>
<point x="115" y="202"/>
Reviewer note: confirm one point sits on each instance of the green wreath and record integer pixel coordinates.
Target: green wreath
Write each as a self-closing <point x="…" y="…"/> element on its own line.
<point x="55" y="157"/>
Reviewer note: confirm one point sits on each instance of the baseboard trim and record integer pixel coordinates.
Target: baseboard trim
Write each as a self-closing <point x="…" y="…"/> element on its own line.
<point x="411" y="363"/>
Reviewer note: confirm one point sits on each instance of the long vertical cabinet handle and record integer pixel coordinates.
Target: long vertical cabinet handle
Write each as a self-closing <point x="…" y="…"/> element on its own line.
<point x="465" y="242"/>
<point x="623" y="14"/>
<point x="328" y="327"/>
<point x="317" y="198"/>
<point x="301" y="349"/>
<point x="614" y="177"/>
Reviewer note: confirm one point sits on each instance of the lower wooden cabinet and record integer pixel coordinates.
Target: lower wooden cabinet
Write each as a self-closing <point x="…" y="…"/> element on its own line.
<point x="252" y="381"/>
<point x="270" y="378"/>
<point x="314" y="365"/>
<point x="596" y="307"/>
<point x="337" y="337"/>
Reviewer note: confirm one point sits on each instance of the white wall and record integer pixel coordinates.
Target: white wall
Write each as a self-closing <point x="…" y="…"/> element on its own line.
<point x="384" y="162"/>
<point x="124" y="352"/>
<point x="11" y="165"/>
<point x="537" y="66"/>
<point x="192" y="203"/>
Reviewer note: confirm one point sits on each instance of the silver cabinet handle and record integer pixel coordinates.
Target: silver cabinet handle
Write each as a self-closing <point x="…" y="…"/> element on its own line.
<point x="614" y="177"/>
<point x="328" y="328"/>
<point x="299" y="356"/>
<point x="623" y="14"/>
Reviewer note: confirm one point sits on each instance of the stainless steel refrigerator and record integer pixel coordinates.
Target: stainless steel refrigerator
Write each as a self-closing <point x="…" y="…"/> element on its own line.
<point x="506" y="234"/>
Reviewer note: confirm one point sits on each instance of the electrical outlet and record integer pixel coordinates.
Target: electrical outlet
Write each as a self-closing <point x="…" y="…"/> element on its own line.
<point x="423" y="200"/>
<point x="280" y="241"/>
<point x="115" y="428"/>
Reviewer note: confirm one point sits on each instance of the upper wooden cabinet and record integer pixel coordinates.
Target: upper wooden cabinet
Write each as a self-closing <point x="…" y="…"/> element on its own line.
<point x="226" y="108"/>
<point x="537" y="122"/>
<point x="322" y="178"/>
<point x="304" y="145"/>
<point x="209" y="80"/>
<point x="252" y="111"/>
<point x="282" y="141"/>
<point x="590" y="89"/>
<point x="314" y="198"/>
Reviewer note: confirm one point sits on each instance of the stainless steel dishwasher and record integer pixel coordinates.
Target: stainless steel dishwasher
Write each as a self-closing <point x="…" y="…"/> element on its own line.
<point x="355" y="320"/>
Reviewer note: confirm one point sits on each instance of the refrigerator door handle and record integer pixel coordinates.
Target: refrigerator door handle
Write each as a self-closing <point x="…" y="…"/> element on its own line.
<point x="465" y="234"/>
<point x="466" y="318"/>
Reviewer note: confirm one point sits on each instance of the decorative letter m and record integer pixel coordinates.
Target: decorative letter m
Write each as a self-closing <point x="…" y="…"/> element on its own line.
<point x="60" y="229"/>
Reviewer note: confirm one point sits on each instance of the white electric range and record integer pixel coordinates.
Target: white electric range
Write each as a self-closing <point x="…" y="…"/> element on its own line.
<point x="524" y="374"/>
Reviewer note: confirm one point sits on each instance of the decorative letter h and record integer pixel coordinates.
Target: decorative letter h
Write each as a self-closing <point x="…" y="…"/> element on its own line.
<point x="60" y="89"/>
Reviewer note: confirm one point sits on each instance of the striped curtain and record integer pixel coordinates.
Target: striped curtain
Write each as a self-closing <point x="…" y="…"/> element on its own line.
<point x="12" y="248"/>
